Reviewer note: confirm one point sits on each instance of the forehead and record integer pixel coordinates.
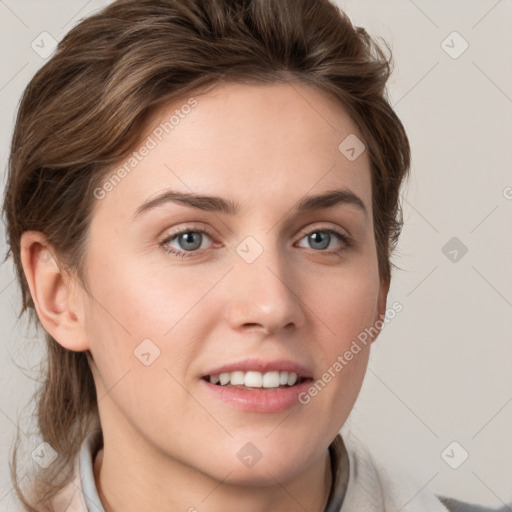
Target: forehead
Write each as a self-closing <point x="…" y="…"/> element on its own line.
<point x="249" y="143"/>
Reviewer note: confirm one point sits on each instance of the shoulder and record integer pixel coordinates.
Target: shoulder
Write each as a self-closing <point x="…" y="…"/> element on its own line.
<point x="375" y="486"/>
<point x="454" y="505"/>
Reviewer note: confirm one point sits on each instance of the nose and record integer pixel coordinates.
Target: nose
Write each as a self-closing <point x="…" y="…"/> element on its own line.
<point x="264" y="295"/>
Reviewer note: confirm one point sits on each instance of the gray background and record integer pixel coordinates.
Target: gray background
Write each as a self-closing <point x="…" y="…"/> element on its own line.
<point x="441" y="370"/>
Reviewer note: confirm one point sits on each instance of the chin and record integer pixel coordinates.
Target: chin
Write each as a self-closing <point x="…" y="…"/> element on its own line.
<point x="261" y="474"/>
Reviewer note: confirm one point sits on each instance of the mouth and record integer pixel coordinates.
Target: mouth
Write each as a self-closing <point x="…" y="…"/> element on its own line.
<point x="258" y="385"/>
<point x="254" y="391"/>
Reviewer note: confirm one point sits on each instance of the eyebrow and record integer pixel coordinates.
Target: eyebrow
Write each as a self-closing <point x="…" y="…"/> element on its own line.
<point x="219" y="204"/>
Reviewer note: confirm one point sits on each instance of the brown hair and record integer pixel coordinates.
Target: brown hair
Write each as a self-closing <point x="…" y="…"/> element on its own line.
<point x="86" y="107"/>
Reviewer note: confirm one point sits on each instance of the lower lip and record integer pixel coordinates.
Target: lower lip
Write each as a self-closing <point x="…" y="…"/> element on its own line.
<point x="267" y="400"/>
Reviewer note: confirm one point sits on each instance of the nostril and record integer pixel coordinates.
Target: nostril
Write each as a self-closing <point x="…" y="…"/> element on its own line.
<point x="253" y="326"/>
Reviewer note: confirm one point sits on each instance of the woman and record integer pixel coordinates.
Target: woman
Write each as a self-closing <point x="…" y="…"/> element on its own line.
<point x="174" y="166"/>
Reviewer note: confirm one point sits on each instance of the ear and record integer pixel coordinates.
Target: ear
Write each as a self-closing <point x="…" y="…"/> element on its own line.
<point x="57" y="297"/>
<point x="378" y="321"/>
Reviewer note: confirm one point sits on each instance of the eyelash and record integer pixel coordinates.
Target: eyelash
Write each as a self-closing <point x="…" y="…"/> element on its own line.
<point x="347" y="241"/>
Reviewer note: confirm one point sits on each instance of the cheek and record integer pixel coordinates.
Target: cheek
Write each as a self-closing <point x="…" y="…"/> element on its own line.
<point x="345" y="303"/>
<point x="344" y="309"/>
<point x="134" y="303"/>
<point x="346" y="312"/>
<point x="164" y="310"/>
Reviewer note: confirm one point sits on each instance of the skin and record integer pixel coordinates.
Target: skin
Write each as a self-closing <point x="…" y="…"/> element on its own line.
<point x="167" y="444"/>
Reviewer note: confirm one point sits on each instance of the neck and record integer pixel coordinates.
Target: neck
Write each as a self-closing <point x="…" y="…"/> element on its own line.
<point x="130" y="483"/>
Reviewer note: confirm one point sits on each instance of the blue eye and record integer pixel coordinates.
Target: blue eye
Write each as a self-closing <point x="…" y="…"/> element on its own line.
<point x="190" y="241"/>
<point x="323" y="237"/>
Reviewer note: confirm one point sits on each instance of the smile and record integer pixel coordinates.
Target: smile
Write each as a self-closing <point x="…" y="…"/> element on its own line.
<point x="255" y="380"/>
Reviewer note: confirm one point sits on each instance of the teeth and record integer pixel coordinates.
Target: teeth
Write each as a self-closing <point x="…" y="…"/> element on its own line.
<point x="271" y="380"/>
<point x="237" y="378"/>
<point x="292" y="379"/>
<point x="255" y="379"/>
<point x="224" y="378"/>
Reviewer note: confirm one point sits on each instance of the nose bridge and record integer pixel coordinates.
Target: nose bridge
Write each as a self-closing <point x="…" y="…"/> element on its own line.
<point x="262" y="292"/>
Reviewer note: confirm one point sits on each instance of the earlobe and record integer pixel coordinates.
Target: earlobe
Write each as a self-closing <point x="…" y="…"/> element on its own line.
<point x="54" y="292"/>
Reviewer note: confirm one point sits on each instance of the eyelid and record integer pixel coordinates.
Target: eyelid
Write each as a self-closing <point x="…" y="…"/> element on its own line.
<point x="185" y="229"/>
<point x="199" y="227"/>
<point x="319" y="226"/>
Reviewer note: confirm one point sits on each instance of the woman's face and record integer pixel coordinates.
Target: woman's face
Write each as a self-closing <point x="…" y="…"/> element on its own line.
<point x="256" y="286"/>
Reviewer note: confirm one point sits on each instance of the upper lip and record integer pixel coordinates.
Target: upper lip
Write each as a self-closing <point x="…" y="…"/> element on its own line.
<point x="263" y="366"/>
